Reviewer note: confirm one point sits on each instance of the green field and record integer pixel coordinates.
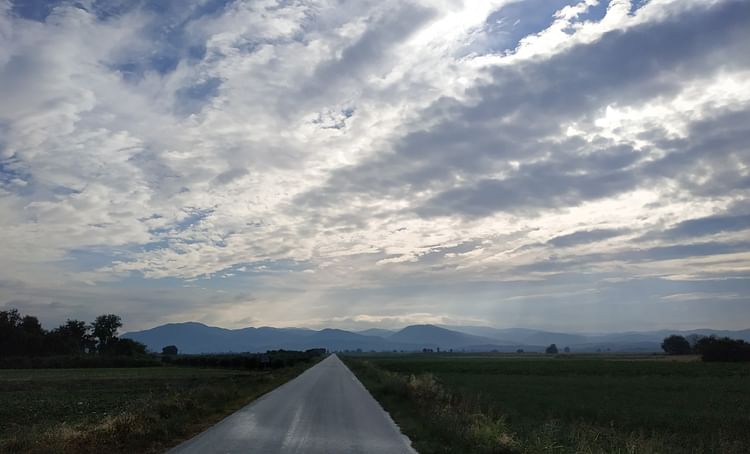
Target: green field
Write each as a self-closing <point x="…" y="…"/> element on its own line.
<point x="570" y="404"/>
<point x="121" y="410"/>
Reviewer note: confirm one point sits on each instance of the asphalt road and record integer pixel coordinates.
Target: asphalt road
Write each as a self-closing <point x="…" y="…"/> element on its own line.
<point x="324" y="410"/>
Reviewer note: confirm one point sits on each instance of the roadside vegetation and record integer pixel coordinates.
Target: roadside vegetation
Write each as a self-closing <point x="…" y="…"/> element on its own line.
<point x="80" y="388"/>
<point x="436" y="419"/>
<point x="533" y="403"/>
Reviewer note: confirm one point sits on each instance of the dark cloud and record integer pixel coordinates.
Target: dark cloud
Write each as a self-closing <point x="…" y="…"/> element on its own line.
<point x="519" y="117"/>
<point x="363" y="57"/>
<point x="537" y="185"/>
<point x="680" y="251"/>
<point x="708" y="226"/>
<point x="229" y="176"/>
<point x="557" y="264"/>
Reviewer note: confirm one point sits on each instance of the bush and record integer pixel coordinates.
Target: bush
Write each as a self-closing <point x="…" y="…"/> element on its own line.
<point x="723" y="349"/>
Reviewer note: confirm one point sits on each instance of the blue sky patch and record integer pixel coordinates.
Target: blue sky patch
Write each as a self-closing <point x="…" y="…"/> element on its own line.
<point x="511" y="23"/>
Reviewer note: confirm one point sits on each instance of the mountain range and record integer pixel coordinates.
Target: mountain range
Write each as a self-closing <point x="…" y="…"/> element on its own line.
<point x="193" y="337"/>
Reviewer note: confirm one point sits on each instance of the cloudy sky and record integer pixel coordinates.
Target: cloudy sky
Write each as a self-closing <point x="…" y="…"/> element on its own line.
<point x="559" y="164"/>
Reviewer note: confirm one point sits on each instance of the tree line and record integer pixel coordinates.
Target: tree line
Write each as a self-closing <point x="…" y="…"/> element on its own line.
<point x="272" y="359"/>
<point x="23" y="336"/>
<point x="24" y="343"/>
<point x="711" y="348"/>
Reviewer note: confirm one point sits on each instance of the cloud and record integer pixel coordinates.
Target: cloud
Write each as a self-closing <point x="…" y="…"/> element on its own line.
<point x="373" y="159"/>
<point x="584" y="237"/>
<point x="521" y="113"/>
<point x="708" y="226"/>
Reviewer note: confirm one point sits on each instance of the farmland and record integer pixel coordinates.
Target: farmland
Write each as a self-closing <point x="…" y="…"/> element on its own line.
<point x="121" y="410"/>
<point x="562" y="404"/>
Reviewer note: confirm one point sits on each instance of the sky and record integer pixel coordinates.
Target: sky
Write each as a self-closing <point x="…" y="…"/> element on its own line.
<point x="555" y="164"/>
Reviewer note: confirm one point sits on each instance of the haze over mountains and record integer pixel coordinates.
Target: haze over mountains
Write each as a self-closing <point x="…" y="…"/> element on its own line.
<point x="193" y="337"/>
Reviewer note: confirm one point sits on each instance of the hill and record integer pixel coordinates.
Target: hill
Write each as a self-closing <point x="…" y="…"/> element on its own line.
<point x="430" y="336"/>
<point x="192" y="337"/>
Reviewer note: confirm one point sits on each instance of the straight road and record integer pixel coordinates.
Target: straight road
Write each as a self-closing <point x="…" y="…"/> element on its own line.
<point x="324" y="410"/>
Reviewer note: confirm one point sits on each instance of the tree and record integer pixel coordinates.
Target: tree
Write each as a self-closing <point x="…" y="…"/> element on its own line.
<point x="723" y="349"/>
<point x="10" y="333"/>
<point x="169" y="350"/>
<point x="71" y="338"/>
<point x="566" y="349"/>
<point x="20" y="335"/>
<point x="127" y="347"/>
<point x="552" y="349"/>
<point x="676" y="345"/>
<point x="33" y="335"/>
<point x="79" y="333"/>
<point x="105" y="331"/>
<point x="693" y="339"/>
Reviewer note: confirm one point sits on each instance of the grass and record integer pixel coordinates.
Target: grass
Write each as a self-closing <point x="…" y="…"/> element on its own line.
<point x="435" y="419"/>
<point x="586" y="404"/>
<point x="121" y="410"/>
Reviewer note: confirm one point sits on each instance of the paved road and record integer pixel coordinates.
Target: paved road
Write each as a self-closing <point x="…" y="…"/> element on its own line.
<point x="324" y="410"/>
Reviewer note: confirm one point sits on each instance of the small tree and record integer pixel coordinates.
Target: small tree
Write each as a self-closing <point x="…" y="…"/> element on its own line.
<point x="676" y="345"/>
<point x="551" y="350"/>
<point x="105" y="331"/>
<point x="566" y="349"/>
<point x="169" y="350"/>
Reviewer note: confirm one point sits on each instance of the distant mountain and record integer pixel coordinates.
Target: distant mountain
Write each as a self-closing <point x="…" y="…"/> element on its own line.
<point x="192" y="337"/>
<point x="645" y="341"/>
<point x="430" y="336"/>
<point x="384" y="333"/>
<point x="522" y="336"/>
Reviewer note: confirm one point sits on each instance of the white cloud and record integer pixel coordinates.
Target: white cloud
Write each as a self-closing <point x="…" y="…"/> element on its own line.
<point x="308" y="144"/>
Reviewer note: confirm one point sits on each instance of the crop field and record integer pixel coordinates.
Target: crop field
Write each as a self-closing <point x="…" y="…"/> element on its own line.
<point x="121" y="410"/>
<point x="566" y="404"/>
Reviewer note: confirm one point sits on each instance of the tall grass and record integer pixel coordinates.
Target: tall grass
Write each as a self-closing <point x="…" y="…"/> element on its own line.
<point x="436" y="419"/>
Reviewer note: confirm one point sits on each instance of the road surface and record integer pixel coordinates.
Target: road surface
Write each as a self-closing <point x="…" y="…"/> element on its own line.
<point x="324" y="410"/>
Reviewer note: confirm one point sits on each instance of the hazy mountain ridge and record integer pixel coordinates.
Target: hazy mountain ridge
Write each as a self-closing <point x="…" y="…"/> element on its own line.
<point x="193" y="337"/>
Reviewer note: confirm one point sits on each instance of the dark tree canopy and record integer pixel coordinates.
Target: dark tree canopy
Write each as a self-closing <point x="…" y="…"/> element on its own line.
<point x="105" y="331"/>
<point x="23" y="336"/>
<point x="552" y="349"/>
<point x="169" y="350"/>
<point x="676" y="345"/>
<point x="128" y="347"/>
<point x="723" y="349"/>
<point x="20" y="335"/>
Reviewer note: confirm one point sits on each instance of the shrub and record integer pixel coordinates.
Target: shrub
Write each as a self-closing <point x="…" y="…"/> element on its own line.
<point x="723" y="349"/>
